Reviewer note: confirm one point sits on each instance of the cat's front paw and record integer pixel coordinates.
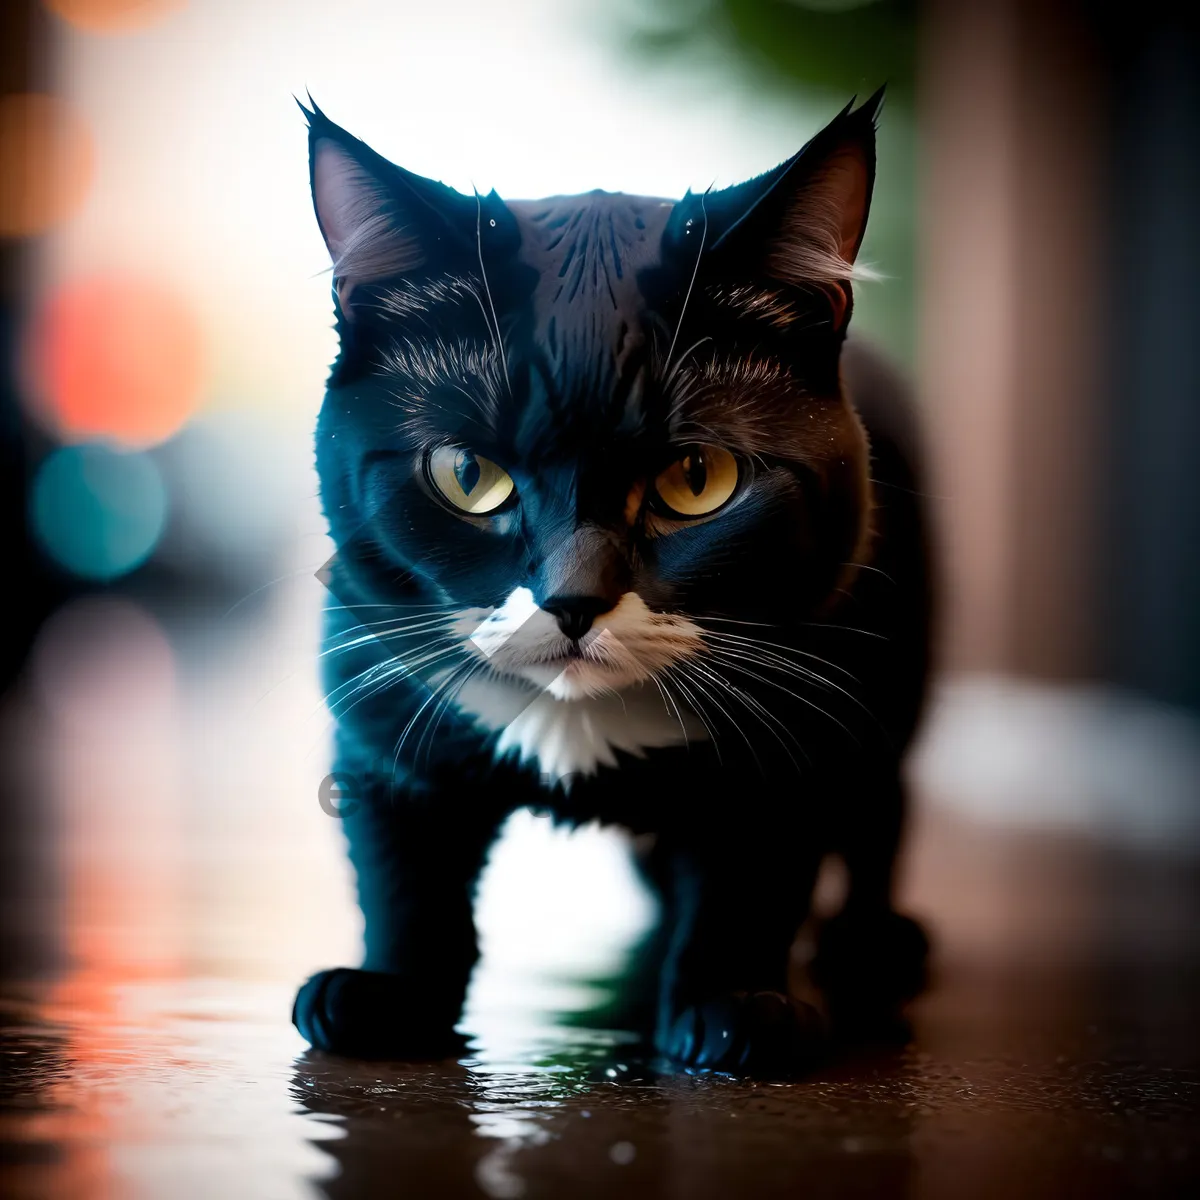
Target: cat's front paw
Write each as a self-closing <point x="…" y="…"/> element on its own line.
<point x="754" y="1033"/>
<point x="868" y="964"/>
<point x="370" y="1014"/>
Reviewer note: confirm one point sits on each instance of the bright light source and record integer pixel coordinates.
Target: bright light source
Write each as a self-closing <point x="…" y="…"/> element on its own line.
<point x="116" y="357"/>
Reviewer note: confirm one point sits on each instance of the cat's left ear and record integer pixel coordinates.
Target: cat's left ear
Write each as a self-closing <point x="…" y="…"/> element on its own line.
<point x="801" y="224"/>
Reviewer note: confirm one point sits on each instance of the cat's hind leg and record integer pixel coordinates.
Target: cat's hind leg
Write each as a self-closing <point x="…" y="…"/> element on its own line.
<point x="870" y="958"/>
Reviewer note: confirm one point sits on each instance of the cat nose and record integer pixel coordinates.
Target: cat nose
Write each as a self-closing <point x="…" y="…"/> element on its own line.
<point x="575" y="614"/>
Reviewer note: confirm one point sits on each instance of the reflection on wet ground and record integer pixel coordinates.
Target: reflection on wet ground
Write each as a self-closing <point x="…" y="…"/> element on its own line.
<point x="1059" y="1056"/>
<point x="181" y="878"/>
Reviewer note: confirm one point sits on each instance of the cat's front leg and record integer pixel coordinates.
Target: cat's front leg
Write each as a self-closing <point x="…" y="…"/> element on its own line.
<point x="417" y="857"/>
<point x="734" y="908"/>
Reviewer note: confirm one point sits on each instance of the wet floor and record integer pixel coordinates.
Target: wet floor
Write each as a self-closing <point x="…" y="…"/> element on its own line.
<point x="181" y="891"/>
<point x="1056" y="1058"/>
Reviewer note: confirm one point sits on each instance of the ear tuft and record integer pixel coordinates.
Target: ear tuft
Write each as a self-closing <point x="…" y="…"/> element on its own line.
<point x="313" y="115"/>
<point x="872" y="106"/>
<point x="358" y="218"/>
<point x="819" y="235"/>
<point x="803" y="222"/>
<point x="825" y="214"/>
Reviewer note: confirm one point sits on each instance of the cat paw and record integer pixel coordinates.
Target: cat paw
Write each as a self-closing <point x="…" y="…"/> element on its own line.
<point x="371" y="1014"/>
<point x="868" y="964"/>
<point x="753" y="1033"/>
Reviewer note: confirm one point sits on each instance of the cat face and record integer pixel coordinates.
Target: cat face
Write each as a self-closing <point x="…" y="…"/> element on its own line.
<point x="590" y="427"/>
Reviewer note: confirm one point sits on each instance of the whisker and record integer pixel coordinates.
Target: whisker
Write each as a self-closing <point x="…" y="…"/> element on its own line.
<point x="694" y="666"/>
<point x="309" y="570"/>
<point x="410" y="664"/>
<point x="399" y="671"/>
<point x="669" y="699"/>
<point x="470" y="665"/>
<point x="736" y="621"/>
<point x="696" y="707"/>
<point x="390" y="633"/>
<point x="448" y="697"/>
<point x="873" y="570"/>
<point x="691" y="285"/>
<point x="738" y="663"/>
<point x="394" y="671"/>
<point x="802" y="699"/>
<point x="795" y="670"/>
<point x="449" y="607"/>
<point x="834" y="627"/>
<point x="794" y="624"/>
<point x="679" y="364"/>
<point x="774" y="662"/>
<point x="739" y="639"/>
<point x="766" y="717"/>
<point x="488" y="291"/>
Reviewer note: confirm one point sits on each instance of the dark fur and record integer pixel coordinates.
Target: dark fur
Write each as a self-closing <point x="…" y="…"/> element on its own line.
<point x="826" y="551"/>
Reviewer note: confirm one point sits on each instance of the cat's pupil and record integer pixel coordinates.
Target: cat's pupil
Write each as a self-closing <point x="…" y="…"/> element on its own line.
<point x="695" y="472"/>
<point x="466" y="471"/>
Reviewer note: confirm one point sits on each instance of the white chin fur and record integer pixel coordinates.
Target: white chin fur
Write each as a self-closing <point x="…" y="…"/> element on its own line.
<point x="566" y="738"/>
<point x="579" y="710"/>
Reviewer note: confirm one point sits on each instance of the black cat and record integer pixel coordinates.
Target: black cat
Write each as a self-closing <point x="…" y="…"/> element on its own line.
<point x="624" y="532"/>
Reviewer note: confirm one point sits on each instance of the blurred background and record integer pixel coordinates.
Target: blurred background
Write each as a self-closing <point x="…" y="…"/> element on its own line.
<point x="166" y="861"/>
<point x="165" y="324"/>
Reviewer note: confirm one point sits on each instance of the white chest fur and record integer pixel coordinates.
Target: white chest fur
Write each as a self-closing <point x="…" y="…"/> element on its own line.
<point x="576" y="737"/>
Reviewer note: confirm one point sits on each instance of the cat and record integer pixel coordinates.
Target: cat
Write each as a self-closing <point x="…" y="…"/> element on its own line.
<point x="626" y="531"/>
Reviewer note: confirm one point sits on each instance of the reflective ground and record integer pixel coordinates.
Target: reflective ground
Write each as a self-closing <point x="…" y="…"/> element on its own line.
<point x="179" y="877"/>
<point x="1058" y="1055"/>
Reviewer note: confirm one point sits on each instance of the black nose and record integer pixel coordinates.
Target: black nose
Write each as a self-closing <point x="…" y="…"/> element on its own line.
<point x="575" y="614"/>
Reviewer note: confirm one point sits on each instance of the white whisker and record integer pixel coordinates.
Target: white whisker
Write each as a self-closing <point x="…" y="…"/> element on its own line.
<point x="688" y="295"/>
<point x="673" y="673"/>
<point x="488" y="291"/>
<point x="691" y="668"/>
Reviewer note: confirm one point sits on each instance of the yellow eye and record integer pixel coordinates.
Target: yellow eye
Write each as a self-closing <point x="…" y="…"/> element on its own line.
<point x="471" y="483"/>
<point x="698" y="482"/>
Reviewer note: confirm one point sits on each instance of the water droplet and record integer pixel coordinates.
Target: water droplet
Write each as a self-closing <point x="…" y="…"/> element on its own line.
<point x="623" y="1153"/>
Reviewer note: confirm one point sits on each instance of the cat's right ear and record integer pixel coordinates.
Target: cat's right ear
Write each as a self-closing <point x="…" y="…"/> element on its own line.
<point x="378" y="220"/>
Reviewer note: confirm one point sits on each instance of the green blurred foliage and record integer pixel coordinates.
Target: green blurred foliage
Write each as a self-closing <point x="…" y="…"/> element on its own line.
<point x="814" y="54"/>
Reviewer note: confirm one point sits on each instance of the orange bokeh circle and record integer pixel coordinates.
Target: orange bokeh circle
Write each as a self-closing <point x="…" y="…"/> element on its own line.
<point x="46" y="163"/>
<point x="112" y="16"/>
<point x="115" y="357"/>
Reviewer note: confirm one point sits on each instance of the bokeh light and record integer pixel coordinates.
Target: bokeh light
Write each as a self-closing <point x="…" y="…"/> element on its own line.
<point x="47" y="161"/>
<point x="115" y="357"/>
<point x="112" y="16"/>
<point x="101" y="661"/>
<point x="96" y="511"/>
<point x="232" y="506"/>
<point x="104" y="676"/>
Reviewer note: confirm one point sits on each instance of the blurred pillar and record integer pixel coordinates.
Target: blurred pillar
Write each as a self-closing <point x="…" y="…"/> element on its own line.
<point x="1152" y="493"/>
<point x="1009" y="235"/>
